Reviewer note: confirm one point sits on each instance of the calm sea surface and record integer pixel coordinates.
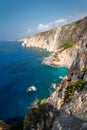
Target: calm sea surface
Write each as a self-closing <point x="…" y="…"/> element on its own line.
<point x="20" y="68"/>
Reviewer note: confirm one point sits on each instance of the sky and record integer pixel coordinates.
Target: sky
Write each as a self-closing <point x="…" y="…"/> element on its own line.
<point x="23" y="18"/>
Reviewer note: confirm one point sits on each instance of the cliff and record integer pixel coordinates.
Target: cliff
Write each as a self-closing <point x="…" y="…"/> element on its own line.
<point x="63" y="41"/>
<point x="71" y="98"/>
<point x="66" y="108"/>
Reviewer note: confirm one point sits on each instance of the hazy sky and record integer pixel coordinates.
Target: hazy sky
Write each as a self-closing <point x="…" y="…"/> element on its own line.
<point x="20" y="18"/>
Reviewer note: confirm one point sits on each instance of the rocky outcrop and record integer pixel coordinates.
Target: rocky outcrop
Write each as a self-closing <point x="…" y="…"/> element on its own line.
<point x="63" y="58"/>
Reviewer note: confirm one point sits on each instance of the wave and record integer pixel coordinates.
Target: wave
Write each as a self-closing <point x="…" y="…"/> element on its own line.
<point x="53" y="85"/>
<point x="32" y="88"/>
<point x="61" y="77"/>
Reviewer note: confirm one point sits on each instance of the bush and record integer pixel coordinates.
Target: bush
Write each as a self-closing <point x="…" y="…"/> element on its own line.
<point x="43" y="101"/>
<point x="78" y="85"/>
<point x="85" y="69"/>
<point x="67" y="44"/>
<point x="36" y="115"/>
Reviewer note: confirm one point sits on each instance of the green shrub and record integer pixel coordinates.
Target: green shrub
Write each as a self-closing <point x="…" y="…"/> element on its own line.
<point x="67" y="44"/>
<point x="69" y="92"/>
<point x="78" y="85"/>
<point x="43" y="101"/>
<point x="36" y="115"/>
<point x="85" y="69"/>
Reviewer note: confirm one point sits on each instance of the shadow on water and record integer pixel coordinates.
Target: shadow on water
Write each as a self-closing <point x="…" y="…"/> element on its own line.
<point x="14" y="120"/>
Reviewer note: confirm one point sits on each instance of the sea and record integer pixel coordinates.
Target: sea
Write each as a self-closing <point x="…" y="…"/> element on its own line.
<point x="21" y="68"/>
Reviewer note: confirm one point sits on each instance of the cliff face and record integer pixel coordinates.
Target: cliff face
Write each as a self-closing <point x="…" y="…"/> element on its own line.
<point x="73" y="114"/>
<point x="52" y="39"/>
<point x="47" y="40"/>
<point x="63" y="58"/>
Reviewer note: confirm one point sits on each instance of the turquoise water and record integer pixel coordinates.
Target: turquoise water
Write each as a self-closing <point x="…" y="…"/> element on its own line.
<point x="20" y="68"/>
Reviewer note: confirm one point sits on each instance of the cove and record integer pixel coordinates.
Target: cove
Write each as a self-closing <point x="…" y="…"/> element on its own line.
<point x="20" y="68"/>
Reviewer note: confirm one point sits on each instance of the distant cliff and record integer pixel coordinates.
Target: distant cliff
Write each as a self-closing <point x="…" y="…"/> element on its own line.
<point x="63" y="41"/>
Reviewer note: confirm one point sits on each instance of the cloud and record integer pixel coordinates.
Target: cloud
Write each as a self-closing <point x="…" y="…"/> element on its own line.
<point x="59" y="22"/>
<point x="44" y="27"/>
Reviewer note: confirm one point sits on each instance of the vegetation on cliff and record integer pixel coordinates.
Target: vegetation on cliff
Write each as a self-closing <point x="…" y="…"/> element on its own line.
<point x="85" y="70"/>
<point x="36" y="114"/>
<point x="66" y="44"/>
<point x="72" y="87"/>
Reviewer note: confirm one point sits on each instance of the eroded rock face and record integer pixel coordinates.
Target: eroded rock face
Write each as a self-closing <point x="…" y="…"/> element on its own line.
<point x="76" y="70"/>
<point x="63" y="58"/>
<point x="52" y="39"/>
<point x="74" y="114"/>
<point x="47" y="40"/>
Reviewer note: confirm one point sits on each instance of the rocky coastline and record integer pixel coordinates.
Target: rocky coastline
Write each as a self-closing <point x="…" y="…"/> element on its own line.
<point x="66" y="108"/>
<point x="54" y="40"/>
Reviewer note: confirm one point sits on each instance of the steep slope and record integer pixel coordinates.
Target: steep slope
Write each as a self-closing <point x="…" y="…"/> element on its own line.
<point x="73" y="115"/>
<point x="52" y="39"/>
<point x="46" y="40"/>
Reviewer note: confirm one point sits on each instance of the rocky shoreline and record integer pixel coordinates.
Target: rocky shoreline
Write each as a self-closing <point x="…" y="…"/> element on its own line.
<point x="66" y="108"/>
<point x="63" y="58"/>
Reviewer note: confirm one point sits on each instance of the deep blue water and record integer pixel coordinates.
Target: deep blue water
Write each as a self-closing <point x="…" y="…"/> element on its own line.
<point x="21" y="67"/>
